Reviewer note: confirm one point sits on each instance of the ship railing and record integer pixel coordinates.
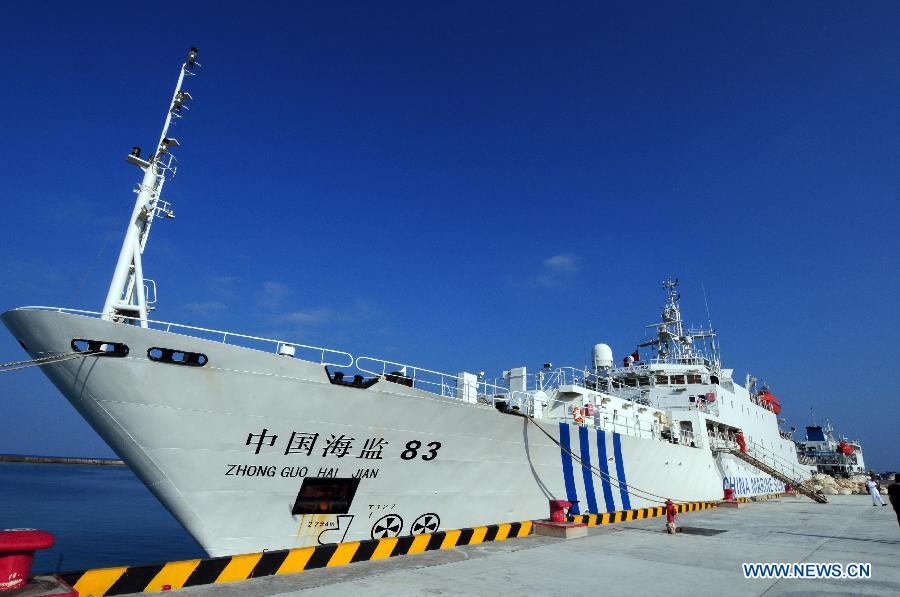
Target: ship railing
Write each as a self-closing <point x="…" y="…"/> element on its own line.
<point x="546" y="379"/>
<point x="829" y="457"/>
<point x="638" y="430"/>
<point x="777" y="462"/>
<point x="522" y="402"/>
<point x="437" y="382"/>
<point x="703" y="406"/>
<point x="614" y="388"/>
<point x="823" y="453"/>
<point x="673" y="360"/>
<point x="689" y="438"/>
<point x="598" y="420"/>
<point x="561" y="376"/>
<point x="323" y="356"/>
<point x="586" y="379"/>
<point x="761" y="453"/>
<point x="685" y="437"/>
<point x="626" y="393"/>
<point x="721" y="442"/>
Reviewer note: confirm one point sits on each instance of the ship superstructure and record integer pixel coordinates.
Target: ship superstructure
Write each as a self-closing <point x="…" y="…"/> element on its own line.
<point x="684" y="377"/>
<point x="255" y="443"/>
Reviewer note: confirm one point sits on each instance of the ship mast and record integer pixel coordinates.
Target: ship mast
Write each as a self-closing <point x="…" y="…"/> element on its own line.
<point x="674" y="342"/>
<point x="127" y="299"/>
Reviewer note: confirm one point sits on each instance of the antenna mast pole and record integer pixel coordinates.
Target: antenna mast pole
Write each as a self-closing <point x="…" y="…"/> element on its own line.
<point x="127" y="299"/>
<point x="715" y="347"/>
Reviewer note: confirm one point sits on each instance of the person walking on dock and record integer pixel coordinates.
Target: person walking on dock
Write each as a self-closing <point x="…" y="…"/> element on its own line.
<point x="894" y="496"/>
<point x="873" y="490"/>
<point x="670" y="517"/>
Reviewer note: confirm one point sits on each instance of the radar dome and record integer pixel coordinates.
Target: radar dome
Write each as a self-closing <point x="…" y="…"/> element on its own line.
<point x="602" y="356"/>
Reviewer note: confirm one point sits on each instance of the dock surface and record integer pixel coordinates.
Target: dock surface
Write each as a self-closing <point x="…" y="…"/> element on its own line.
<point x="633" y="558"/>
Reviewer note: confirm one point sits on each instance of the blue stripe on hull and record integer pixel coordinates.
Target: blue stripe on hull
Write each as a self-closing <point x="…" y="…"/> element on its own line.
<point x="604" y="469"/>
<point x="586" y="471"/>
<point x="620" y="471"/>
<point x="568" y="473"/>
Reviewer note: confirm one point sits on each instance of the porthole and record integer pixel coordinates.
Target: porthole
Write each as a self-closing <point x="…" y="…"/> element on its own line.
<point x="100" y="348"/>
<point x="177" y="357"/>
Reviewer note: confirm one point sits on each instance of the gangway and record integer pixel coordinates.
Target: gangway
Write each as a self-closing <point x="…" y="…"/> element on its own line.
<point x="783" y="471"/>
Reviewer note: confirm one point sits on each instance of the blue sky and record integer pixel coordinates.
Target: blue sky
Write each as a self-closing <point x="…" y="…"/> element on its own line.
<point x="472" y="186"/>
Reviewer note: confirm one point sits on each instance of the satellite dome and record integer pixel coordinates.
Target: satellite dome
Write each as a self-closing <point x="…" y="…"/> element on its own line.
<point x="602" y="356"/>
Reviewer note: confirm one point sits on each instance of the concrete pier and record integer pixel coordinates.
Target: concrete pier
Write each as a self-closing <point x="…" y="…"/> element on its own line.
<point x="634" y="558"/>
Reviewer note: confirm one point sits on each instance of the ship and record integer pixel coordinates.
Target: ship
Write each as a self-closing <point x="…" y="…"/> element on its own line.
<point x="830" y="454"/>
<point x="256" y="443"/>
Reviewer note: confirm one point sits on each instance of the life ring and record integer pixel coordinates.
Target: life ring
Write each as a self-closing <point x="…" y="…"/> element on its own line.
<point x="577" y="414"/>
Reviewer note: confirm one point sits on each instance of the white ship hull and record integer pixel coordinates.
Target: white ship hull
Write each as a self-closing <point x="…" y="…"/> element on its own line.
<point x="215" y="445"/>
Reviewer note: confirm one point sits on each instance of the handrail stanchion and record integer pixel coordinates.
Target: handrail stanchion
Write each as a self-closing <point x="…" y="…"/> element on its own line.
<point x="169" y="326"/>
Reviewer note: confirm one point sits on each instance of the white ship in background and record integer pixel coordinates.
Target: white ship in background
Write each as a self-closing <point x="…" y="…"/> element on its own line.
<point x="836" y="457"/>
<point x="255" y="443"/>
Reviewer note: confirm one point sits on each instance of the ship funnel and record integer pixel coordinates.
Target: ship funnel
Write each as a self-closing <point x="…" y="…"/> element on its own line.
<point x="602" y="357"/>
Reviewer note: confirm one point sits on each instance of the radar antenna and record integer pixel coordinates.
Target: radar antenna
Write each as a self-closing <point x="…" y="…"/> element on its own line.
<point x="675" y="342"/>
<point x="127" y="299"/>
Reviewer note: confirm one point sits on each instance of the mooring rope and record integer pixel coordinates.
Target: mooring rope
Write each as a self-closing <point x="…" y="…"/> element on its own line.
<point x="629" y="489"/>
<point x="40" y="362"/>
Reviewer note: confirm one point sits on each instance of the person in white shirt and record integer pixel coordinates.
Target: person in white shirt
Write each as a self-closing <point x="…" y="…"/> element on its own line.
<point x="873" y="490"/>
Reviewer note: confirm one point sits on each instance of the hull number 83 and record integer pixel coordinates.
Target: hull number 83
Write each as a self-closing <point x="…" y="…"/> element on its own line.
<point x="429" y="452"/>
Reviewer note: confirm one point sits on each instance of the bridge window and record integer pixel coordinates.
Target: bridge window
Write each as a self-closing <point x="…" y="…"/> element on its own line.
<point x="677" y="379"/>
<point x="662" y="380"/>
<point x="644" y="380"/>
<point x="694" y="378"/>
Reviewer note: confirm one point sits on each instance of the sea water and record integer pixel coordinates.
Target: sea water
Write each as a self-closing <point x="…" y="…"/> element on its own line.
<point x="100" y="515"/>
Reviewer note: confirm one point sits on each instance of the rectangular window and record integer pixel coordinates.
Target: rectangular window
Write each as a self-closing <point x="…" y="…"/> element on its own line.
<point x="630" y="382"/>
<point x="678" y="379"/>
<point x="694" y="378"/>
<point x="320" y="495"/>
<point x="662" y="380"/>
<point x="644" y="381"/>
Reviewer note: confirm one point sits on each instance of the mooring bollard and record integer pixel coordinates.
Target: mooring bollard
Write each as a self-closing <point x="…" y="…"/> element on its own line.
<point x="558" y="510"/>
<point x="17" y="547"/>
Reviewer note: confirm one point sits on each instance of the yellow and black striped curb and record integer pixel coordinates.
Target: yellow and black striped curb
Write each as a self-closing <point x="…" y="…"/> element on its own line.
<point x="189" y="573"/>
<point x="636" y="514"/>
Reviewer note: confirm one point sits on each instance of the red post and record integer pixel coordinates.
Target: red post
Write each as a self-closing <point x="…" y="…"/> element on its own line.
<point x="558" y="510"/>
<point x="17" y="547"/>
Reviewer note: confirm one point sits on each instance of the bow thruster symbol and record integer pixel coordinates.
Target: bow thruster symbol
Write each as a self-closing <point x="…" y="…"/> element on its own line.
<point x="427" y="523"/>
<point x="388" y="525"/>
